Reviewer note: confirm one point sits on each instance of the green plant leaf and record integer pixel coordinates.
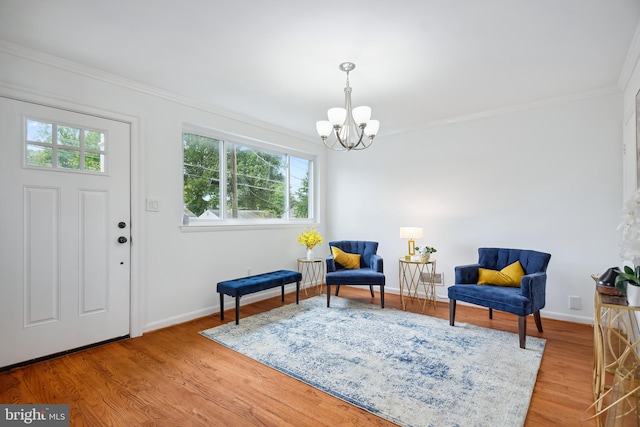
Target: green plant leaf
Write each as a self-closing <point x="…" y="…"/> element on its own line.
<point x="628" y="278"/>
<point x="621" y="285"/>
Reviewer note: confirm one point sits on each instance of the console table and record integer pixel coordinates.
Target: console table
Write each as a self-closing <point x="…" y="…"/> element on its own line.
<point x="411" y="274"/>
<point x="616" y="343"/>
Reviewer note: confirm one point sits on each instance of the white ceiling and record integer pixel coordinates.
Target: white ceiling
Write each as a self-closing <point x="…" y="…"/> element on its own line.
<point x="418" y="61"/>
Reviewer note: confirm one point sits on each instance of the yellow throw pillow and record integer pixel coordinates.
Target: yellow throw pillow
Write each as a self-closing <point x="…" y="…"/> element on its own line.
<point x="508" y="276"/>
<point x="345" y="259"/>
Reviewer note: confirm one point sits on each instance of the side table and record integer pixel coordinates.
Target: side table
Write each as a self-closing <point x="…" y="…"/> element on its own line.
<point x="616" y="343"/>
<point x="411" y="274"/>
<point x="312" y="273"/>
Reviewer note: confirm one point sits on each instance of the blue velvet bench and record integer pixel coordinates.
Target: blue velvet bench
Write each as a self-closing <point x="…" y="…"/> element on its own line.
<point x="260" y="282"/>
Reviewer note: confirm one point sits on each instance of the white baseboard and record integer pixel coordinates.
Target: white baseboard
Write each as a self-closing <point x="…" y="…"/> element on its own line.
<point x="248" y="299"/>
<point x="229" y="302"/>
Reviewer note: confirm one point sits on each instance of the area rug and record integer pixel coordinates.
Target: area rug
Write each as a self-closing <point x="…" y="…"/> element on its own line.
<point x="411" y="369"/>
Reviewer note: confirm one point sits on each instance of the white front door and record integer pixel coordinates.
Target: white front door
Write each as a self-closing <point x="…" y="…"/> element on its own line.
<point x="64" y="218"/>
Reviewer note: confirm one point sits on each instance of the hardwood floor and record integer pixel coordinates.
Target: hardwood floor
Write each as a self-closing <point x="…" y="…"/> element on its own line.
<point x="176" y="377"/>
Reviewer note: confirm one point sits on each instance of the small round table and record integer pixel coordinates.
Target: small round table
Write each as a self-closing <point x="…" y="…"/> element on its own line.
<point x="411" y="274"/>
<point x="312" y="273"/>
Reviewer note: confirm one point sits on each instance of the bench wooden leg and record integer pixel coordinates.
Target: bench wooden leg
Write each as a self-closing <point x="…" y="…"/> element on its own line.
<point x="237" y="310"/>
<point x="298" y="292"/>
<point x="282" y="293"/>
<point x="221" y="306"/>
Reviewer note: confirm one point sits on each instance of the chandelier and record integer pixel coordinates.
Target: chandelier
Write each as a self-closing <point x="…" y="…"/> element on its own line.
<point x="351" y="129"/>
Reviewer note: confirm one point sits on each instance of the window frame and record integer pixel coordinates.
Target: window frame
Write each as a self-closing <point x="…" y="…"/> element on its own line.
<point x="55" y="147"/>
<point x="226" y="138"/>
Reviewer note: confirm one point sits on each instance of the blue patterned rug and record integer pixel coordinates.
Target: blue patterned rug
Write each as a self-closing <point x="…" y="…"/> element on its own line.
<point x="411" y="369"/>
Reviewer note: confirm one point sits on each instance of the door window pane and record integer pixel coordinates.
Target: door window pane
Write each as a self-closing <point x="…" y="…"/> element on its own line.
<point x="68" y="136"/>
<point x="94" y="140"/>
<point x="39" y="131"/>
<point x="94" y="162"/>
<point x="69" y="159"/>
<point x="39" y="156"/>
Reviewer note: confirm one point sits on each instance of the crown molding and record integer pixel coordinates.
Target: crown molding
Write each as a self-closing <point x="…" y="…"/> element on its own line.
<point x="133" y="85"/>
<point x="507" y="110"/>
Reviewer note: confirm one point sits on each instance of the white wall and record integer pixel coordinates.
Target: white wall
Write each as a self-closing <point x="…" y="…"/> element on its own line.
<point x="547" y="179"/>
<point x="176" y="274"/>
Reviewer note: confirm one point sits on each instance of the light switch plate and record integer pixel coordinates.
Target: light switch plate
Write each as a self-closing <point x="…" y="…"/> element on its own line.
<point x="153" y="205"/>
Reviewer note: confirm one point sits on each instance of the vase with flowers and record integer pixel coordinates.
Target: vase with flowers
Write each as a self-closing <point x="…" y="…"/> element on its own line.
<point x="425" y="252"/>
<point x="628" y="280"/>
<point x="310" y="238"/>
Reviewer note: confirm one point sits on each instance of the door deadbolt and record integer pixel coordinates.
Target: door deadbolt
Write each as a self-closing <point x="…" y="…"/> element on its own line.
<point x="122" y="224"/>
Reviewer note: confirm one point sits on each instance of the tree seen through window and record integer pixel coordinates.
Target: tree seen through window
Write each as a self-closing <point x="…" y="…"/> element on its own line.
<point x="255" y="182"/>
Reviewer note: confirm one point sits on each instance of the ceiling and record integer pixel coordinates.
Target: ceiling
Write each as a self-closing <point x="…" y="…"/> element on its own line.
<point x="418" y="62"/>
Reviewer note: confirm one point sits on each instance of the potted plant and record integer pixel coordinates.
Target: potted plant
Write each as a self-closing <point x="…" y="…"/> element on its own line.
<point x="628" y="282"/>
<point x="425" y="252"/>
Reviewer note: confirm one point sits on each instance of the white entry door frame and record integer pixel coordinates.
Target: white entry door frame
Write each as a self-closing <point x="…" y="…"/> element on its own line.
<point x="135" y="230"/>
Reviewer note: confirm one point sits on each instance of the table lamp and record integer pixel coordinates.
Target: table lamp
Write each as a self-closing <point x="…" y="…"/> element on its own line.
<point x="411" y="233"/>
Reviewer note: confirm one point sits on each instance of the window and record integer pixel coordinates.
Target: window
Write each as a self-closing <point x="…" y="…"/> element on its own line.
<point x="64" y="147"/>
<point x="230" y="180"/>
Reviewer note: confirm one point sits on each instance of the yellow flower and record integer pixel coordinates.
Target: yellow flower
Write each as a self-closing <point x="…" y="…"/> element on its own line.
<point x="310" y="238"/>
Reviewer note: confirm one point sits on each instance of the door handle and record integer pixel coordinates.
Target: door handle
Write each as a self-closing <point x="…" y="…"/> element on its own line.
<point x="122" y="239"/>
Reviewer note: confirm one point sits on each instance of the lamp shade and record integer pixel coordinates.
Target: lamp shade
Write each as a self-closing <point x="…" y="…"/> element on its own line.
<point x="323" y="127"/>
<point x="337" y="116"/>
<point x="372" y="128"/>
<point x="361" y="115"/>
<point x="411" y="232"/>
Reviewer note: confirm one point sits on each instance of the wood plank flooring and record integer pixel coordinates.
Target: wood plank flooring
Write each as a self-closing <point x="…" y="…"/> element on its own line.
<point x="176" y="377"/>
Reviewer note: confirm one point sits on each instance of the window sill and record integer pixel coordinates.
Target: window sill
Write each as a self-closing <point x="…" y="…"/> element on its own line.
<point x="227" y="226"/>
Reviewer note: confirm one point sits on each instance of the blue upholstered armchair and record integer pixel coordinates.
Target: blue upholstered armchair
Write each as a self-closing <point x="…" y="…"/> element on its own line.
<point x="369" y="274"/>
<point x="527" y="298"/>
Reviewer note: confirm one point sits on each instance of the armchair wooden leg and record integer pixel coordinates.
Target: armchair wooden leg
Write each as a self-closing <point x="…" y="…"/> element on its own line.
<point x="491" y="313"/>
<point x="522" y="330"/>
<point x="371" y="289"/>
<point x="536" y="317"/>
<point x="452" y="311"/>
<point x="337" y="289"/>
<point x="382" y="296"/>
<point x="328" y="295"/>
